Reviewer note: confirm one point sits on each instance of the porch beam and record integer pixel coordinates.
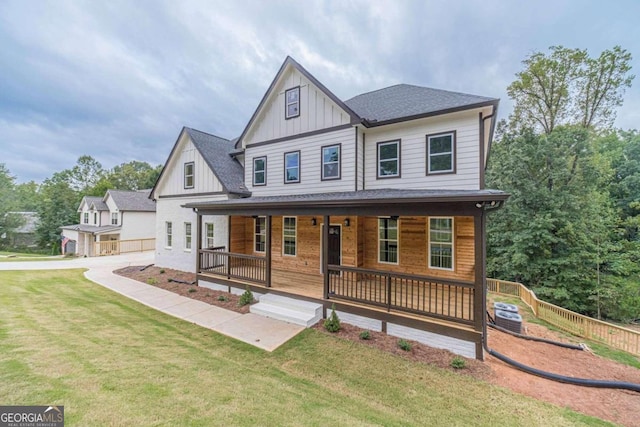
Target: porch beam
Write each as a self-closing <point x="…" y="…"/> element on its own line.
<point x="198" y="240"/>
<point x="268" y="250"/>
<point x="325" y="254"/>
<point x="480" y="294"/>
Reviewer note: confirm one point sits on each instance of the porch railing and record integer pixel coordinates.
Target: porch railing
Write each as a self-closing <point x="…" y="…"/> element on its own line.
<point x="115" y="247"/>
<point x="449" y="300"/>
<point x="247" y="268"/>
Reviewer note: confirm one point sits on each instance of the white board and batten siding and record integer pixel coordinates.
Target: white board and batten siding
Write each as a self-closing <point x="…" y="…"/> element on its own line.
<point x="317" y="111"/>
<point x="413" y="160"/>
<point x="137" y="225"/>
<point x="172" y="183"/>
<point x="310" y="148"/>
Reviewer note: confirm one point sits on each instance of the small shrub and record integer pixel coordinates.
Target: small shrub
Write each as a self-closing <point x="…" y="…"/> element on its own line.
<point x="404" y="345"/>
<point x="246" y="297"/>
<point x="162" y="271"/>
<point x="332" y="324"/>
<point x="192" y="290"/>
<point x="152" y="281"/>
<point x="223" y="298"/>
<point x="458" y="363"/>
<point x="365" y="335"/>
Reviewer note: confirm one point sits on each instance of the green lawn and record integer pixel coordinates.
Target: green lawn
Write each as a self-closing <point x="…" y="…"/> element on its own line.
<point x="112" y="361"/>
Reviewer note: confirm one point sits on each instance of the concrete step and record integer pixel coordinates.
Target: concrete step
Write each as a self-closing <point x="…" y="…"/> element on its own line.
<point x="290" y="310"/>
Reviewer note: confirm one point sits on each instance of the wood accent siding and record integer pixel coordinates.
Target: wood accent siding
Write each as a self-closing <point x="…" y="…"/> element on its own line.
<point x="310" y="148"/>
<point x="414" y="152"/>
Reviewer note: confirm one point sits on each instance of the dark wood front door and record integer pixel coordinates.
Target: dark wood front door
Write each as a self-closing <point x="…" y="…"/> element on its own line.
<point x="335" y="243"/>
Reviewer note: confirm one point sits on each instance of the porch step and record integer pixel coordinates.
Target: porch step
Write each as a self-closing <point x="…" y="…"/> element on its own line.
<point x="298" y="312"/>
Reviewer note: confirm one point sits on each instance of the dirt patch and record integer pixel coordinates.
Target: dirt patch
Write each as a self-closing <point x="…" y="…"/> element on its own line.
<point x="619" y="406"/>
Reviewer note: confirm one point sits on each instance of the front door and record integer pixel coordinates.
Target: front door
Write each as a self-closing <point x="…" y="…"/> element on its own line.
<point x="335" y="244"/>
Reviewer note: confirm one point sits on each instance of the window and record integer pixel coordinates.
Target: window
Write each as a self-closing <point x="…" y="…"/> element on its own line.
<point x="188" y="175"/>
<point x="85" y="219"/>
<point x="292" y="167"/>
<point x="208" y="228"/>
<point x="388" y="240"/>
<point x="187" y="236"/>
<point x="331" y="162"/>
<point x="289" y="235"/>
<point x="260" y="234"/>
<point x="260" y="171"/>
<point x="114" y="218"/>
<point x="441" y="153"/>
<point x="95" y="218"/>
<point x="292" y="103"/>
<point x="168" y="234"/>
<point x="389" y="159"/>
<point x="441" y="243"/>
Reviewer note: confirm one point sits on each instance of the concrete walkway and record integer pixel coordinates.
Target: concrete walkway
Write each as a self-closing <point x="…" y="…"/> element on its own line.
<point x="265" y="333"/>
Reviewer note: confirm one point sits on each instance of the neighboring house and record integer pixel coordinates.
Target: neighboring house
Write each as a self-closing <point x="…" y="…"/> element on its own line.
<point x="121" y="221"/>
<point x="199" y="168"/>
<point x="376" y="204"/>
<point x="24" y="236"/>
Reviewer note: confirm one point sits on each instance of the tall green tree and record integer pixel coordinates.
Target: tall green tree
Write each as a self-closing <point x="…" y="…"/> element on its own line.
<point x="134" y="175"/>
<point x="58" y="206"/>
<point x="85" y="174"/>
<point x="8" y="220"/>
<point x="26" y="195"/>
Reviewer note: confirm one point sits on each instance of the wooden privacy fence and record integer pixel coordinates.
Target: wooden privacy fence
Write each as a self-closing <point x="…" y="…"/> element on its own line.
<point x="583" y="326"/>
<point x="116" y="247"/>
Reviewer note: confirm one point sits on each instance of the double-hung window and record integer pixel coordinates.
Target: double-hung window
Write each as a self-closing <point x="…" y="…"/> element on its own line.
<point x="441" y="153"/>
<point x="95" y="218"/>
<point x="331" y="162"/>
<point x="114" y="218"/>
<point x="292" y="103"/>
<point x="208" y="227"/>
<point x="441" y="243"/>
<point x="189" y="175"/>
<point x="260" y="171"/>
<point x="289" y="235"/>
<point x="388" y="240"/>
<point x="292" y="167"/>
<point x="187" y="236"/>
<point x="389" y="159"/>
<point x="260" y="234"/>
<point x="168" y="227"/>
<point x="85" y="218"/>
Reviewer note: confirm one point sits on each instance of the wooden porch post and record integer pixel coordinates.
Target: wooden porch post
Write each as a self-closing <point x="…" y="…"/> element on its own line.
<point x="325" y="255"/>
<point x="268" y="250"/>
<point x="198" y="241"/>
<point x="480" y="294"/>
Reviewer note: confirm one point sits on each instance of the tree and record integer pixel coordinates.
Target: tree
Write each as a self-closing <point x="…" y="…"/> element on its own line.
<point x="567" y="86"/>
<point x="58" y="206"/>
<point x="134" y="175"/>
<point x="26" y="195"/>
<point x="85" y="174"/>
<point x="8" y="220"/>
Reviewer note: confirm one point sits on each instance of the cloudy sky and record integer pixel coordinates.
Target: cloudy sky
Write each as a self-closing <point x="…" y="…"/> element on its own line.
<point x="117" y="80"/>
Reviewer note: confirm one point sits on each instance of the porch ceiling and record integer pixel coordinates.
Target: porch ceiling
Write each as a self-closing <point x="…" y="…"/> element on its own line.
<point x="367" y="202"/>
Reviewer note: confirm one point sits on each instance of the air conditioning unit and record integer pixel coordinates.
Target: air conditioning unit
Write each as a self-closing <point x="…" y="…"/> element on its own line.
<point x="509" y="321"/>
<point x="503" y="306"/>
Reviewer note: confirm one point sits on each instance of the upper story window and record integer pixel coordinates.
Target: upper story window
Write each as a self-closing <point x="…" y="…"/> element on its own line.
<point x="95" y="218"/>
<point x="114" y="218"/>
<point x="85" y="218"/>
<point x="441" y="243"/>
<point x="189" y="175"/>
<point x="331" y="162"/>
<point x="292" y="103"/>
<point x="260" y="234"/>
<point x="441" y="153"/>
<point x="260" y="171"/>
<point x="208" y="227"/>
<point x="292" y="167"/>
<point x="289" y="235"/>
<point x="389" y="159"/>
<point x="388" y="240"/>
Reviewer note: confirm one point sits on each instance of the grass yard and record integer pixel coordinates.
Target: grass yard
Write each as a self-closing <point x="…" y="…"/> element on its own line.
<point x="112" y="361"/>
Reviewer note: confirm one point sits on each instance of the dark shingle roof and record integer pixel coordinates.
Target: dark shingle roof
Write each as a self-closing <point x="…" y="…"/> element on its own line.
<point x="216" y="152"/>
<point x="405" y="101"/>
<point x="95" y="201"/>
<point x="132" y="200"/>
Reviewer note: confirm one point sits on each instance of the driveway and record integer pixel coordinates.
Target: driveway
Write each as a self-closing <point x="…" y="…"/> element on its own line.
<point x="113" y="261"/>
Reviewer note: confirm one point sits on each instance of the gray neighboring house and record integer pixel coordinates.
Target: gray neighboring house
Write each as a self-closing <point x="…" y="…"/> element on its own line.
<point x="121" y="221"/>
<point x="25" y="235"/>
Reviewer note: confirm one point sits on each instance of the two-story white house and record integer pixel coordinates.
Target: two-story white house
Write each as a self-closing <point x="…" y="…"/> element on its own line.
<point x="120" y="221"/>
<point x="375" y="204"/>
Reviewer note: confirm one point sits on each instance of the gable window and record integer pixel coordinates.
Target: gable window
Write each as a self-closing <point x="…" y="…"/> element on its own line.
<point x="292" y="167"/>
<point x="95" y="218"/>
<point x="187" y="236"/>
<point x="260" y="171"/>
<point x="260" y="234"/>
<point x="168" y="227"/>
<point x="389" y="159"/>
<point x="85" y="218"/>
<point x="208" y="227"/>
<point x="292" y="103"/>
<point x="331" y="162"/>
<point x="388" y="240"/>
<point x="114" y="218"/>
<point x="189" y="175"/>
<point x="441" y="243"/>
<point x="441" y="153"/>
<point x="289" y="235"/>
